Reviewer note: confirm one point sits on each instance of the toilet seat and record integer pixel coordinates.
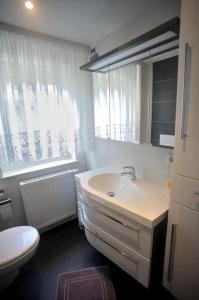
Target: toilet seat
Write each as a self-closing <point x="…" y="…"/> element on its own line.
<point x="16" y="243"/>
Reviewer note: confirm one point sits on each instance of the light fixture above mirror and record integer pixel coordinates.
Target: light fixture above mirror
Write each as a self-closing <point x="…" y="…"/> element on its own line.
<point x="159" y="40"/>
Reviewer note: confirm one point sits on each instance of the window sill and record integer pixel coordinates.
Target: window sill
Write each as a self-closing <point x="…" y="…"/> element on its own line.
<point x="37" y="168"/>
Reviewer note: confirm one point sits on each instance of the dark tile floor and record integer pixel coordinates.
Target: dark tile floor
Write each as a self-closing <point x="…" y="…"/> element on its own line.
<point x="63" y="249"/>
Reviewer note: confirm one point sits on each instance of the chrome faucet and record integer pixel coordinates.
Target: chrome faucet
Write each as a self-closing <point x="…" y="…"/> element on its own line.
<point x="130" y="172"/>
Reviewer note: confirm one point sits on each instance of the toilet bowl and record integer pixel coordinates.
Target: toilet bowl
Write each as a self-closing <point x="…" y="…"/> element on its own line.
<point x="17" y="246"/>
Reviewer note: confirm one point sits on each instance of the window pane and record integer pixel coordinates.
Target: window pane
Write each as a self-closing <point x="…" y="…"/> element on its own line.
<point x="40" y="90"/>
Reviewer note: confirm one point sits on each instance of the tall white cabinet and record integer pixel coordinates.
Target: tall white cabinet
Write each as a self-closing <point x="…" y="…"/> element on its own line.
<point x="181" y="268"/>
<point x="186" y="153"/>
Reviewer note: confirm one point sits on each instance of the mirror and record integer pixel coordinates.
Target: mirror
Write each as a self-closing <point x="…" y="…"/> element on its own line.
<point x="136" y="103"/>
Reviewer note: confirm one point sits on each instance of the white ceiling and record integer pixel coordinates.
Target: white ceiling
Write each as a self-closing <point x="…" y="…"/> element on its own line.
<point x="83" y="21"/>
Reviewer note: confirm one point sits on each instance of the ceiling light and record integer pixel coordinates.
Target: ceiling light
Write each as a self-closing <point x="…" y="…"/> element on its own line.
<point x="29" y="5"/>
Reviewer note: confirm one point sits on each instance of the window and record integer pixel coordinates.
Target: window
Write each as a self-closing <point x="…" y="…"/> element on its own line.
<point x="41" y="88"/>
<point x="117" y="104"/>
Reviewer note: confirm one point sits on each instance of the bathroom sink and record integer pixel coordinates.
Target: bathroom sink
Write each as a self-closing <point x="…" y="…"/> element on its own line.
<point x="143" y="199"/>
<point x="112" y="184"/>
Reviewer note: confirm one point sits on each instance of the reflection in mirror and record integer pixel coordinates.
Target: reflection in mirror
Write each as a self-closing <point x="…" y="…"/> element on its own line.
<point x="164" y="90"/>
<point x="117" y="104"/>
<point x="136" y="103"/>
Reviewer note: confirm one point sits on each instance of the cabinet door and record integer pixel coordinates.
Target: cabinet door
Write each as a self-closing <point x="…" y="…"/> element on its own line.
<point x="187" y="116"/>
<point x="181" y="272"/>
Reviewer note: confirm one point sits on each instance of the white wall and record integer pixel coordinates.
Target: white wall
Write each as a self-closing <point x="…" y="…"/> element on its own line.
<point x="153" y="160"/>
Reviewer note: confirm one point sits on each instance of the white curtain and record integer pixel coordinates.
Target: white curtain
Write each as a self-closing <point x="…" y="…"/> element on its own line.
<point x="117" y="104"/>
<point x="42" y="93"/>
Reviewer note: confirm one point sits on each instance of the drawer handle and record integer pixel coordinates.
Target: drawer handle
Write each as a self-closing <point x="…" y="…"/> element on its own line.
<point x="112" y="218"/>
<point x="6" y="201"/>
<point x="187" y="65"/>
<point x="171" y="252"/>
<point x="196" y="193"/>
<point x="99" y="237"/>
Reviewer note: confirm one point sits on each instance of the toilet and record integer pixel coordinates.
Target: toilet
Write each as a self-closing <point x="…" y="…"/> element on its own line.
<point x="17" y="246"/>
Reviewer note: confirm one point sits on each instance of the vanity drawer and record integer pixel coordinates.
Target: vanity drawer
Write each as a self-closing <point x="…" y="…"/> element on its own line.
<point x="134" y="236"/>
<point x="136" y="266"/>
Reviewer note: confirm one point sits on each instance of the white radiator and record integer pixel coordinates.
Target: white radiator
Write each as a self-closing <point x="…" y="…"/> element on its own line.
<point x="49" y="199"/>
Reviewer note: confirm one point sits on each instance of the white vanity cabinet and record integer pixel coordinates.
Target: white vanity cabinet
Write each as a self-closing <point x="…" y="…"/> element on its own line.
<point x="126" y="242"/>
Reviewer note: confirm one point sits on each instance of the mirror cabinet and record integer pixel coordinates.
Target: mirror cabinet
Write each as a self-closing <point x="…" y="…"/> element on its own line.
<point x="135" y="86"/>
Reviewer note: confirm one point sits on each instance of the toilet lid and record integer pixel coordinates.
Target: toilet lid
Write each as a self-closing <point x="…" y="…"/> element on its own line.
<point x="15" y="242"/>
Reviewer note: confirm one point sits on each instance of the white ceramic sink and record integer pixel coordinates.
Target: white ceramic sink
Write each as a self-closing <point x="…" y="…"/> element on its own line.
<point x="141" y="198"/>
<point x="121" y="186"/>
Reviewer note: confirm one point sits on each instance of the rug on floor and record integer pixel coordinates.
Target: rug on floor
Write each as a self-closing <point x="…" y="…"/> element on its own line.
<point x="86" y="284"/>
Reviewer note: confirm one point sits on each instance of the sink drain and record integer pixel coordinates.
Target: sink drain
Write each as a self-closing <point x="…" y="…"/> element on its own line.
<point x="111" y="194"/>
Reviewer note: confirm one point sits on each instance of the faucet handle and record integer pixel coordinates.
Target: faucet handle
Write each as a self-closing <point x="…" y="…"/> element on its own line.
<point x="131" y="171"/>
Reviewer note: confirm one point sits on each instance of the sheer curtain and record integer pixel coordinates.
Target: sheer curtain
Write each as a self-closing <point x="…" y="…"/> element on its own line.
<point x="42" y="92"/>
<point x="117" y="104"/>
